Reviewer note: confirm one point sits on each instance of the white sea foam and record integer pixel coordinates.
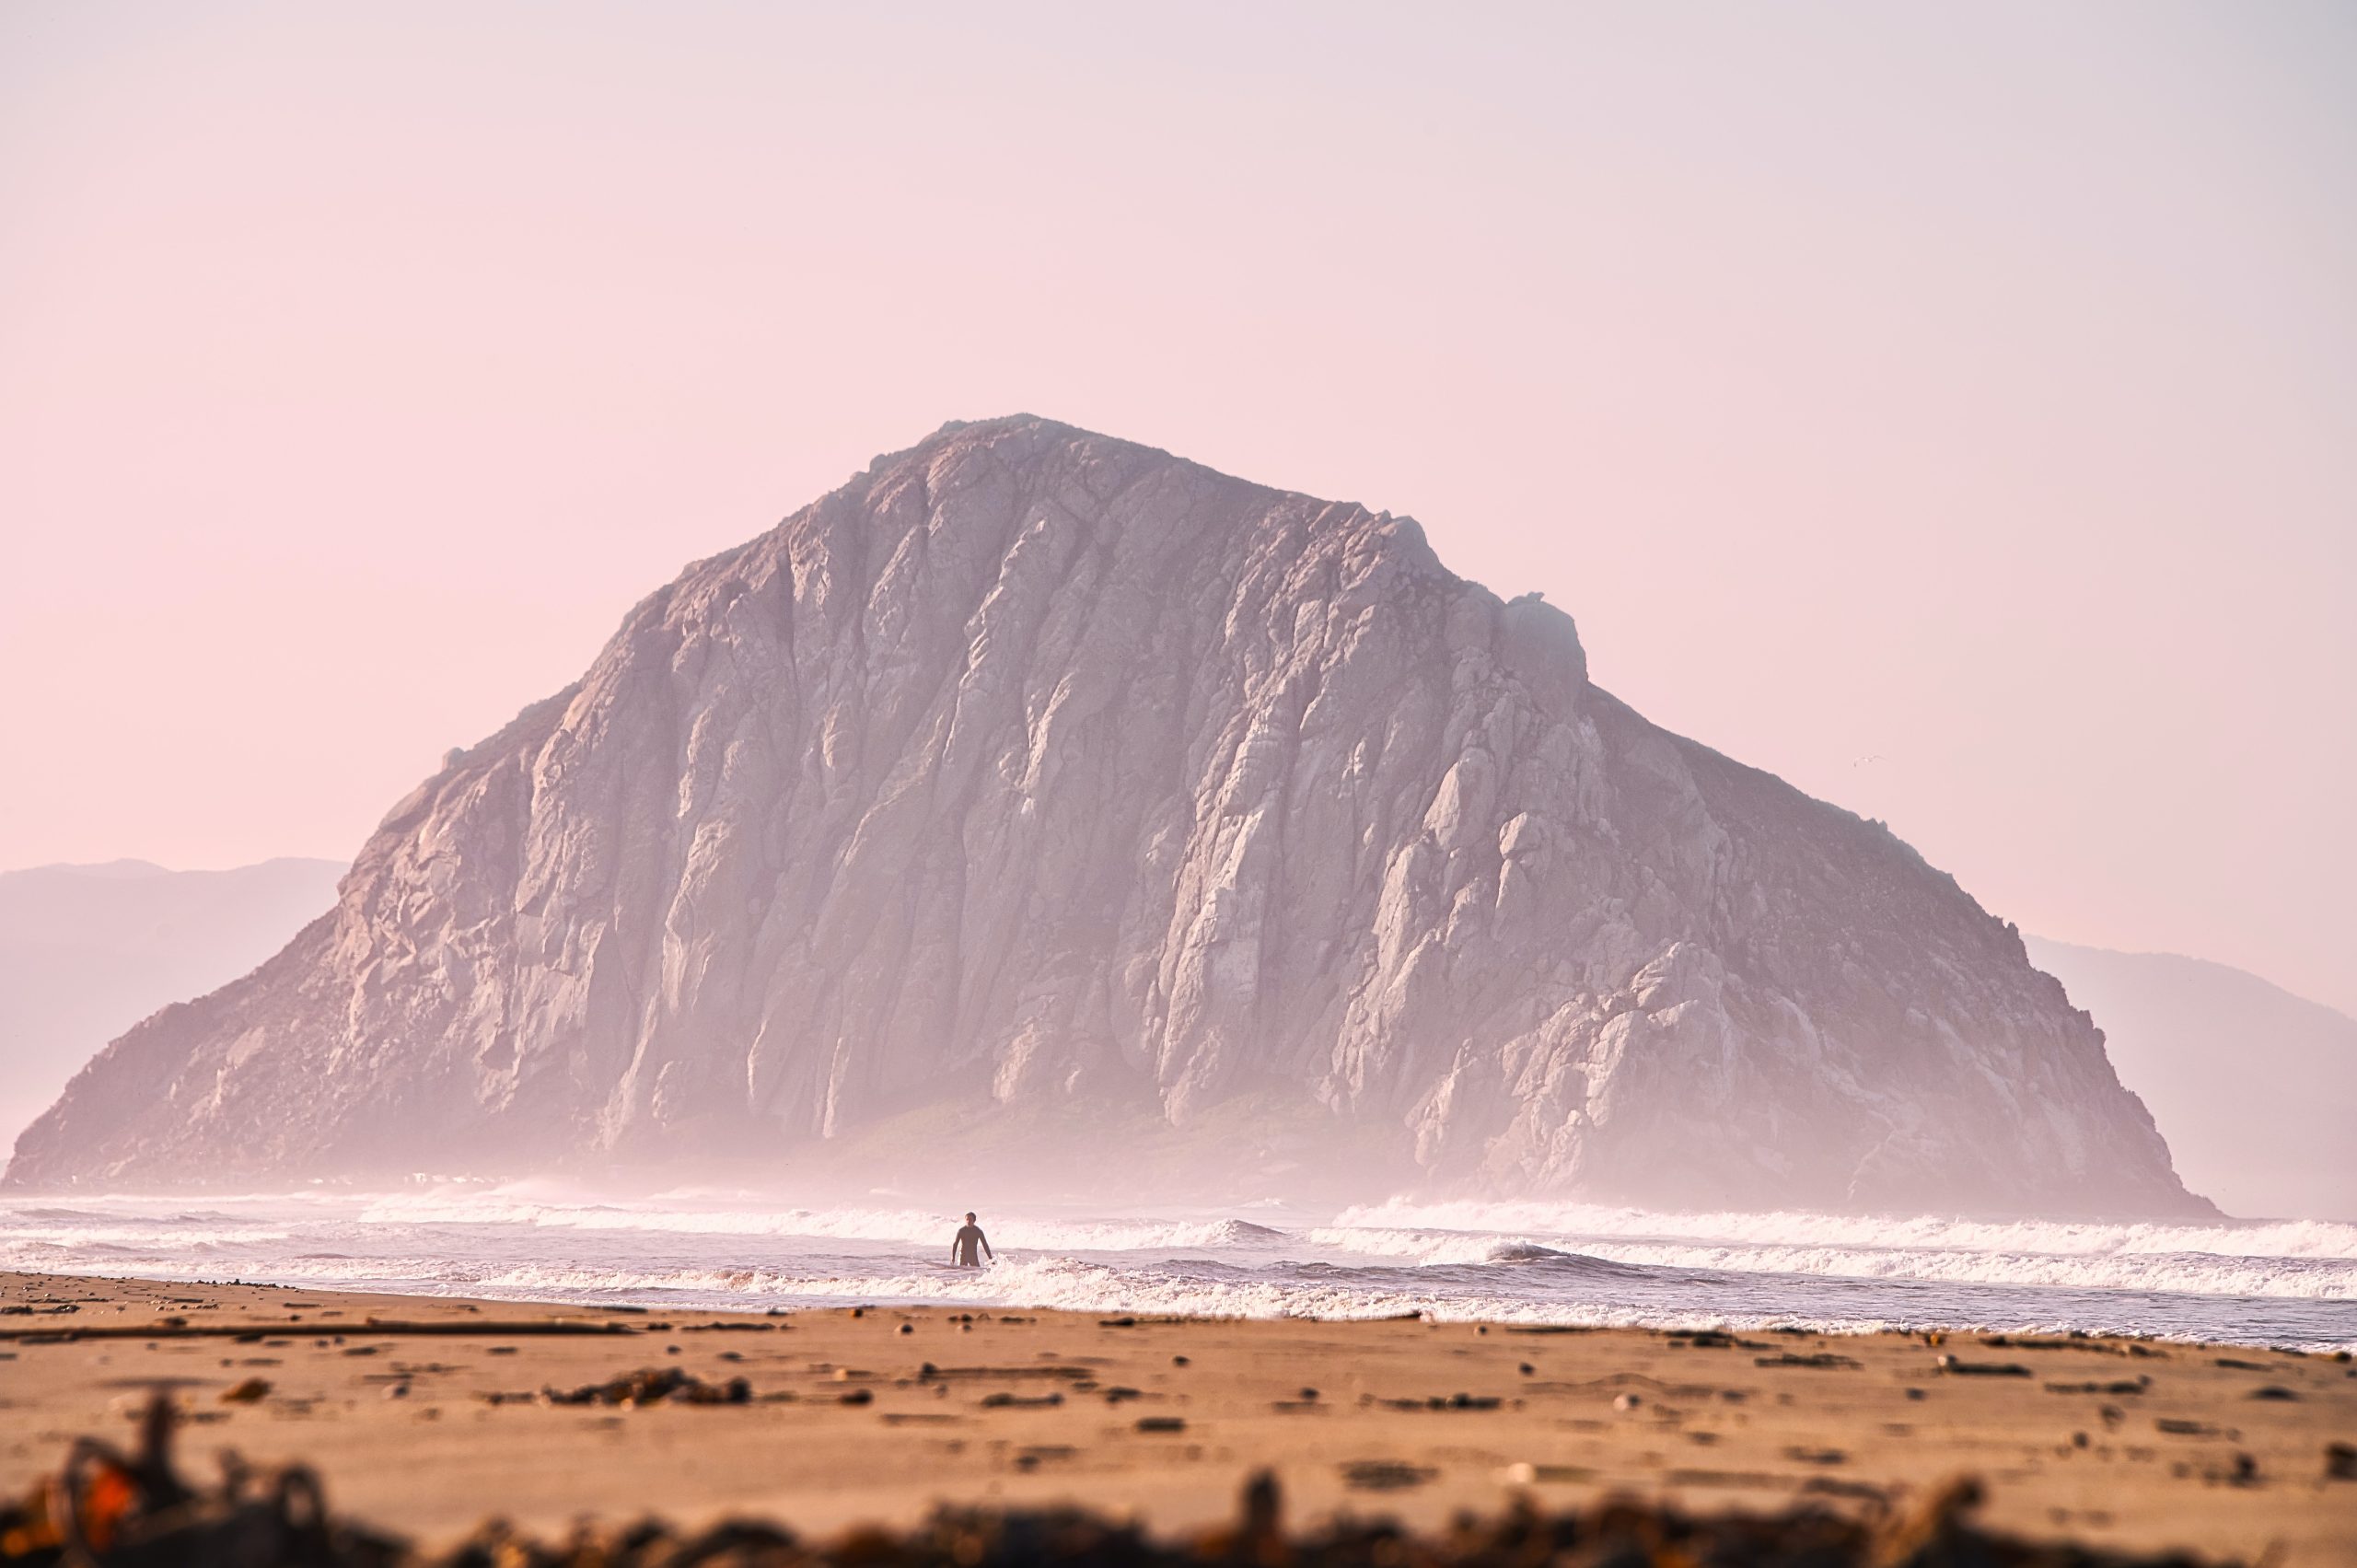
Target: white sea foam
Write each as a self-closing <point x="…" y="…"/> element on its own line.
<point x="915" y="1226"/>
<point x="1515" y="1263"/>
<point x="2260" y="1238"/>
<point x="1077" y="1285"/>
<point x="2204" y="1273"/>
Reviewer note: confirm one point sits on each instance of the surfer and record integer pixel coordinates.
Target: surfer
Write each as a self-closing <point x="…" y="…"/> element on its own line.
<point x="968" y="1237"/>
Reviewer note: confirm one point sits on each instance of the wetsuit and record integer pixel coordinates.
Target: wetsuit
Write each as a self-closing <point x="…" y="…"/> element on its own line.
<point x="969" y="1239"/>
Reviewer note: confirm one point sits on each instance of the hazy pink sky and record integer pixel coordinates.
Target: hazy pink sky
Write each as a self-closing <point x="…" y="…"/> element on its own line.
<point x="1974" y="389"/>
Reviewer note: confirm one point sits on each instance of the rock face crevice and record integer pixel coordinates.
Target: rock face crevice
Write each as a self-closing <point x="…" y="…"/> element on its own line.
<point x="1037" y="766"/>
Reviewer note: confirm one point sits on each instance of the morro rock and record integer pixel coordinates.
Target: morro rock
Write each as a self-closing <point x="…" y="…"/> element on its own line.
<point x="1047" y="799"/>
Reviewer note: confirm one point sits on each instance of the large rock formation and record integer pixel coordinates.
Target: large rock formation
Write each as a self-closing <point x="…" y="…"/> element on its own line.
<point x="1033" y="769"/>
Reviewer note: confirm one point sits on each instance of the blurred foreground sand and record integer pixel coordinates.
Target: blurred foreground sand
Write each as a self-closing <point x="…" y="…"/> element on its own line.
<point x="875" y="1416"/>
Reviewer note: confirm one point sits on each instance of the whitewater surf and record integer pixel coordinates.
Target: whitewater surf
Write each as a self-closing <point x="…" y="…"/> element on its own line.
<point x="2279" y="1283"/>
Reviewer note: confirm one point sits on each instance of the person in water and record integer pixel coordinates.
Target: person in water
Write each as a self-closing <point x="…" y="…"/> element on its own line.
<point x="970" y="1237"/>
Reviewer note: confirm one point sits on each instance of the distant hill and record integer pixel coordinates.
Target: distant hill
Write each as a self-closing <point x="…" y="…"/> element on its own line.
<point x="2255" y="1088"/>
<point x="87" y="951"/>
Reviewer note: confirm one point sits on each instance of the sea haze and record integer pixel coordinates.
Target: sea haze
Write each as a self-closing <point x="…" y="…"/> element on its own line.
<point x="2285" y="1282"/>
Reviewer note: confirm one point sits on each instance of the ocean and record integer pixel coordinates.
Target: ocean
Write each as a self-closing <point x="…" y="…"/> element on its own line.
<point x="2274" y="1282"/>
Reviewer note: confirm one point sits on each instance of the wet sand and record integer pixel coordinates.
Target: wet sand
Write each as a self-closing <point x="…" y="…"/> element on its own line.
<point x="424" y="1415"/>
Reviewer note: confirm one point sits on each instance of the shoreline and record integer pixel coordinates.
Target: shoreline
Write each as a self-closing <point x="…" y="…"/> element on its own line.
<point x="2260" y="1284"/>
<point x="662" y="1300"/>
<point x="436" y="1414"/>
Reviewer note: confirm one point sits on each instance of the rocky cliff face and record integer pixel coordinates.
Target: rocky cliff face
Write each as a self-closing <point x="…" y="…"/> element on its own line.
<point x="1034" y="767"/>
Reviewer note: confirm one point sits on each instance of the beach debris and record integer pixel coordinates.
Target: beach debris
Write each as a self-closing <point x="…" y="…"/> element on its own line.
<point x="248" y="1333"/>
<point x="1436" y="1402"/>
<point x="2273" y="1391"/>
<point x="106" y="1510"/>
<point x="2341" y="1461"/>
<point x="1956" y="1367"/>
<point x="245" y="1393"/>
<point x="649" y="1386"/>
<point x="929" y="1373"/>
<point x="2136" y="1387"/>
<point x="1161" y="1424"/>
<point x="1825" y="1360"/>
<point x="1392" y="1475"/>
<point x="1021" y="1401"/>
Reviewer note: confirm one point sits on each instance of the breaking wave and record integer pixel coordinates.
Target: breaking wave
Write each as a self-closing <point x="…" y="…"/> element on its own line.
<point x="2286" y="1282"/>
<point x="2310" y="1260"/>
<point x="914" y="1225"/>
<point x="2275" y="1239"/>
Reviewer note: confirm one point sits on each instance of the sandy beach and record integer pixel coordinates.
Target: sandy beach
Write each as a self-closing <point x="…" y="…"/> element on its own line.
<point x="424" y="1415"/>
